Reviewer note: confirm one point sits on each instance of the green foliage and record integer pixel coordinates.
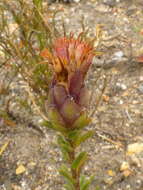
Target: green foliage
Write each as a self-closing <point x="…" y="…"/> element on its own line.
<point x="74" y="135"/>
<point x="47" y="124"/>
<point x="78" y="137"/>
<point x="82" y="121"/>
<point x="83" y="137"/>
<point x="85" y="183"/>
<point x="65" y="147"/>
<point x="68" y="186"/>
<point x="24" y="33"/>
<point x="38" y="3"/>
<point x="79" y="161"/>
<point x="64" y="171"/>
<point x="56" y="127"/>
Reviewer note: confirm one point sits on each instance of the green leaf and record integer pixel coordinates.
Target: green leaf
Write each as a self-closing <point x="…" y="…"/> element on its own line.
<point x="79" y="161"/>
<point x="47" y="124"/>
<point x="69" y="186"/>
<point x="82" y="180"/>
<point x="59" y="128"/>
<point x="85" y="183"/>
<point x="54" y="116"/>
<point x="81" y="122"/>
<point x="97" y="188"/>
<point x="73" y="135"/>
<point x="67" y="175"/>
<point x="65" y="148"/>
<point x="37" y="3"/>
<point x="83" y="138"/>
<point x="66" y="156"/>
<point x="64" y="144"/>
<point x="54" y="126"/>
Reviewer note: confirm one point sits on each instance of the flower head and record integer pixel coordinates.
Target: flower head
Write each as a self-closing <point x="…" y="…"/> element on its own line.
<point x="70" y="59"/>
<point x="68" y="56"/>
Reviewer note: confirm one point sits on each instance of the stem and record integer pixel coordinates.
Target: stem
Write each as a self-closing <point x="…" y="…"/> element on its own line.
<point x="75" y="175"/>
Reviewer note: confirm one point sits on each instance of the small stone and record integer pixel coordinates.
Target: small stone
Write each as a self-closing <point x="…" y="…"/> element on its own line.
<point x="16" y="187"/>
<point x="140" y="88"/>
<point x="135" y="148"/>
<point x="109" y="181"/>
<point x="21" y="169"/>
<point x="131" y="10"/>
<point x="111" y="173"/>
<point x="76" y="1"/>
<point x="134" y="102"/>
<point x="98" y="62"/>
<point x="124" y="166"/>
<point x="31" y="164"/>
<point x="118" y="55"/>
<point x="103" y="8"/>
<point x="127" y="173"/>
<point x="121" y="86"/>
<point x="141" y="78"/>
<point x="110" y="3"/>
<point x="135" y="160"/>
<point x="121" y="102"/>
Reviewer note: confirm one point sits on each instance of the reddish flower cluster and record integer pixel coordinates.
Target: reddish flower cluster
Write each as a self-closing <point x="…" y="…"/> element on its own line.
<point x="70" y="59"/>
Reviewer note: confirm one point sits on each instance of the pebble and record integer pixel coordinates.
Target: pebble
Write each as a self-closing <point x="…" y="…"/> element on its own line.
<point x="103" y="8"/>
<point x="121" y="86"/>
<point x="135" y="148"/>
<point x="118" y="55"/>
<point x="121" y="102"/>
<point x="124" y="166"/>
<point x="131" y="10"/>
<point x="98" y="62"/>
<point x="140" y="88"/>
<point x="64" y="1"/>
<point x="76" y="1"/>
<point x="111" y="3"/>
<point x="141" y="78"/>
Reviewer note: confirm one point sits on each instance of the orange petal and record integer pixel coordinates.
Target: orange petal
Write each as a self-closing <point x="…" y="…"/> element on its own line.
<point x="57" y="66"/>
<point x="46" y="54"/>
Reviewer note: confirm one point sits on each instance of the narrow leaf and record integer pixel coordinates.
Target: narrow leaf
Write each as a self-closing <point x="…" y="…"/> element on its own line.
<point x="83" y="138"/>
<point x="81" y="122"/>
<point x="74" y="135"/>
<point x="47" y="124"/>
<point x="54" y="126"/>
<point x="59" y="128"/>
<point x="79" y="161"/>
<point x="65" y="154"/>
<point x="69" y="186"/>
<point x="64" y="144"/>
<point x="66" y="174"/>
<point x="82" y="180"/>
<point x="86" y="183"/>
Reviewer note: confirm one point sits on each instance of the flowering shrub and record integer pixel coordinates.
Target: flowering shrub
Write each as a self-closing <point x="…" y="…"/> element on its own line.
<point x="67" y="102"/>
<point x="54" y="78"/>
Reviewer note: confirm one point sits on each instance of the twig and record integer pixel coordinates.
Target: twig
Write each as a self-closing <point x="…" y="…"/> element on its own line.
<point x="111" y="141"/>
<point x="95" y="82"/>
<point x="100" y="97"/>
<point x="128" y="115"/>
<point x="35" y="105"/>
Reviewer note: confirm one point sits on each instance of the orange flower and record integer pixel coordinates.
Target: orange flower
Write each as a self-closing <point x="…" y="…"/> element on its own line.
<point x="68" y="56"/>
